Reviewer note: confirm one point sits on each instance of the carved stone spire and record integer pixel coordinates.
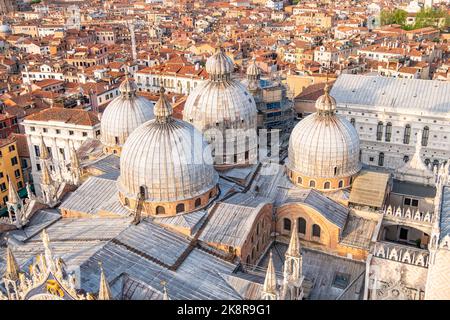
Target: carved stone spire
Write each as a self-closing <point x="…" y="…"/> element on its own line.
<point x="294" y="245"/>
<point x="44" y="154"/>
<point x="46" y="178"/>
<point x="163" y="109"/>
<point x="12" y="268"/>
<point x="270" y="282"/>
<point x="104" y="292"/>
<point x="13" y="196"/>
<point x="165" y="294"/>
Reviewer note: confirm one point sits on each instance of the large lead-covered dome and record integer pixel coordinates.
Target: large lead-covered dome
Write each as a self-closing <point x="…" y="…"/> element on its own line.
<point x="168" y="161"/>
<point x="323" y="149"/>
<point x="123" y="115"/>
<point x="225" y="112"/>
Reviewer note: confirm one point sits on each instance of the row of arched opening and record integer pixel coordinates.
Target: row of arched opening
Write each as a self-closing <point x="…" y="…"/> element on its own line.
<point x="302" y="226"/>
<point x="326" y="185"/>
<point x="180" y="208"/>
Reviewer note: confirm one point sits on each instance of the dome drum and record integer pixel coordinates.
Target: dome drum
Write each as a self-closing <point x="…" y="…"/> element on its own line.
<point x="322" y="184"/>
<point x="169" y="208"/>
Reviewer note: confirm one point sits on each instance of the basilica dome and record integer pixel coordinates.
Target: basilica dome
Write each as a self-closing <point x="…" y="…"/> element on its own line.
<point x="323" y="149"/>
<point x="123" y="115"/>
<point x="225" y="112"/>
<point x="169" y="162"/>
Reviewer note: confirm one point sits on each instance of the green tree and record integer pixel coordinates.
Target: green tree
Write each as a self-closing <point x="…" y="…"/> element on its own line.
<point x="393" y="17"/>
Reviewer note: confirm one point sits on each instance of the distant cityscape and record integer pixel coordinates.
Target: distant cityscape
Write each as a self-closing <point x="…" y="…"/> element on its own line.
<point x="224" y="150"/>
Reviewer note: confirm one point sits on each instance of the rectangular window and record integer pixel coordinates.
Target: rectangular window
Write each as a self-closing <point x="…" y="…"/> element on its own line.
<point x="38" y="167"/>
<point x="3" y="186"/>
<point x="58" y="131"/>
<point x="414" y="203"/>
<point x="17" y="173"/>
<point x="71" y="132"/>
<point x="37" y="152"/>
<point x="14" y="161"/>
<point x="84" y="134"/>
<point x="61" y="151"/>
<point x="403" y="234"/>
<point x="407" y="202"/>
<point x="341" y="280"/>
<point x="1" y="174"/>
<point x="12" y="148"/>
<point x="32" y="128"/>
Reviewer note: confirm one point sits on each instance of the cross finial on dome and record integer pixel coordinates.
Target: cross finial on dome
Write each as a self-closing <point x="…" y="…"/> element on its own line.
<point x="326" y="104"/>
<point x="163" y="109"/>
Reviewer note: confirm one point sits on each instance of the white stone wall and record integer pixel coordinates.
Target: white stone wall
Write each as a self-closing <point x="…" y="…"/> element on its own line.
<point x="55" y="141"/>
<point x="366" y="121"/>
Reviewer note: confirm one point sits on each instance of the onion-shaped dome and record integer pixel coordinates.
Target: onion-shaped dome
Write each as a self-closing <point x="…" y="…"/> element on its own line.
<point x="169" y="162"/>
<point x="219" y="65"/>
<point x="253" y="70"/>
<point x="324" y="148"/>
<point x="123" y="115"/>
<point x="224" y="110"/>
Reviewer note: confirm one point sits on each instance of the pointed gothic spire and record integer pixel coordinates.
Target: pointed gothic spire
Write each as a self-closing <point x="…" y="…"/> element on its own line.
<point x="294" y="245"/>
<point x="13" y="196"/>
<point x="165" y="294"/>
<point x="104" y="292"/>
<point x="46" y="178"/>
<point x="44" y="154"/>
<point x="163" y="109"/>
<point x="270" y="282"/>
<point x="75" y="162"/>
<point x="12" y="267"/>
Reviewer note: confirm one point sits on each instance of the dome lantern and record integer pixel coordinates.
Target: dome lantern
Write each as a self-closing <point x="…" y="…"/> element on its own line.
<point x="219" y="66"/>
<point x="128" y="88"/>
<point x="326" y="104"/>
<point x="163" y="109"/>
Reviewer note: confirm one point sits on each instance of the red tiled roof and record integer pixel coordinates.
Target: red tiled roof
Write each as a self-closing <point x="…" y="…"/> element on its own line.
<point x="72" y="116"/>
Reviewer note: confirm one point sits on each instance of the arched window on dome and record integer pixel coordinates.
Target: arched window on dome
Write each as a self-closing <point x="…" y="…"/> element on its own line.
<point x="341" y="184"/>
<point x="299" y="180"/>
<point x="198" y="202"/>
<point x="160" y="210"/>
<point x="405" y="159"/>
<point x="301" y="225"/>
<point x="287" y="224"/>
<point x="316" y="230"/>
<point x="327" y="185"/>
<point x="388" y="134"/>
<point x="407" y="134"/>
<point x="425" y="135"/>
<point x="180" y="207"/>
<point x="379" y="131"/>
<point x="352" y="121"/>
<point x="127" y="202"/>
<point x="427" y="161"/>
<point x="312" y="183"/>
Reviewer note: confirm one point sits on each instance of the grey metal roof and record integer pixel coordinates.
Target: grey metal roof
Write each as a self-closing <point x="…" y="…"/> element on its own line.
<point x="331" y="210"/>
<point x="94" y="195"/>
<point x="358" y="231"/>
<point x="405" y="95"/>
<point x="445" y="213"/>
<point x="110" y="163"/>
<point x="230" y="224"/>
<point x="198" y="277"/>
<point x="38" y="221"/>
<point x="155" y="241"/>
<point x="413" y="189"/>
<point x="186" y="220"/>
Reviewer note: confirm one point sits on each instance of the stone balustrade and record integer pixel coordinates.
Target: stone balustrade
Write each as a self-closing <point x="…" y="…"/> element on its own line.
<point x="408" y="214"/>
<point x="401" y="253"/>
